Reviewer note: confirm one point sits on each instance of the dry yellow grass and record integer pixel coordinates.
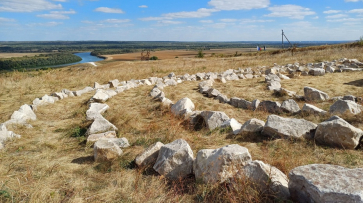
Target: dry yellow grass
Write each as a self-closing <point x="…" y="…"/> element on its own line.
<point x="49" y="165"/>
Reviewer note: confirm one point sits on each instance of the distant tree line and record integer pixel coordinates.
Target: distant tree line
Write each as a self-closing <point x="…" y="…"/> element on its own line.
<point x="99" y="52"/>
<point x="38" y="61"/>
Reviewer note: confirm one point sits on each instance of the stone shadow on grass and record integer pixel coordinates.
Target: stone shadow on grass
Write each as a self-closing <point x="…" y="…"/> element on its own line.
<point x="358" y="83"/>
<point x="83" y="160"/>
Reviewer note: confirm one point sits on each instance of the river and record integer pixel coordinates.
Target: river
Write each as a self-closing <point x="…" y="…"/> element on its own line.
<point x="86" y="57"/>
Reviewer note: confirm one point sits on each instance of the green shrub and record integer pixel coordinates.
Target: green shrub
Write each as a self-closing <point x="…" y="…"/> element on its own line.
<point x="154" y="58"/>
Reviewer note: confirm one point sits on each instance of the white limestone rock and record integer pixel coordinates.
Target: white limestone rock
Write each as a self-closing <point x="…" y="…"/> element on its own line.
<point x="103" y="150"/>
<point x="326" y="183"/>
<point x="214" y="119"/>
<point x="288" y="127"/>
<point x="312" y="94"/>
<point x="91" y="139"/>
<point x="149" y="156"/>
<point x="345" y="106"/>
<point x="100" y="125"/>
<point x="182" y="107"/>
<point x="175" y="160"/>
<point x="290" y="106"/>
<point x="95" y="110"/>
<point x="337" y="132"/>
<point x="252" y="126"/>
<point x="215" y="166"/>
<point x="311" y="109"/>
<point x="233" y="124"/>
<point x="267" y="177"/>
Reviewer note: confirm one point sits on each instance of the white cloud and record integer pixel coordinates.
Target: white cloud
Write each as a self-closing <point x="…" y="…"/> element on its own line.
<point x="143" y="6"/>
<point x="57" y="14"/>
<point x="228" y="20"/>
<point x="244" y="21"/>
<point x="346" y="20"/>
<point x="71" y="11"/>
<point x="206" y="21"/>
<point x="356" y="11"/>
<point x="290" y="11"/>
<point x="239" y="4"/>
<point x="6" y="19"/>
<point x="116" y="21"/>
<point x="27" y="5"/>
<point x="48" y="24"/>
<point x="87" y="22"/>
<point x="109" y="10"/>
<point x="53" y="16"/>
<point x="352" y="0"/>
<point x="200" y="13"/>
<point x="60" y="0"/>
<point x="337" y="16"/>
<point x="153" y="18"/>
<point x="332" y="11"/>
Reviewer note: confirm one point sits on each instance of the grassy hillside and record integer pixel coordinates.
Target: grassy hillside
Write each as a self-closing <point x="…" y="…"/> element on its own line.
<point x="51" y="162"/>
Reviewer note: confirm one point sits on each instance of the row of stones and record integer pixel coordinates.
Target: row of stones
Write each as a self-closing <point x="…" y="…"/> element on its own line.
<point x="233" y="163"/>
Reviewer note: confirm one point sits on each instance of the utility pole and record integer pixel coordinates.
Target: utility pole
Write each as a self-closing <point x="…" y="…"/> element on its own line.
<point x="282" y="39"/>
<point x="283" y="35"/>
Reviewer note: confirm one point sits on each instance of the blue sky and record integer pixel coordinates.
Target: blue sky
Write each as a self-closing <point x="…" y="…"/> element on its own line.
<point x="180" y="20"/>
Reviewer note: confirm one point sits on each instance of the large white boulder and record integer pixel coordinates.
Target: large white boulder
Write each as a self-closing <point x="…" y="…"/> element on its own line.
<point x="149" y="155"/>
<point x="22" y="115"/>
<point x="212" y="166"/>
<point x="6" y="135"/>
<point x="100" y="125"/>
<point x="326" y="183"/>
<point x="175" y="160"/>
<point x="233" y="124"/>
<point x="157" y="94"/>
<point x="91" y="139"/>
<point x="288" y="127"/>
<point x="345" y="106"/>
<point x="267" y="177"/>
<point x="182" y="107"/>
<point x="103" y="150"/>
<point x="83" y="91"/>
<point x="290" y="106"/>
<point x="337" y="132"/>
<point x="311" y="109"/>
<point x="95" y="110"/>
<point x="214" y="119"/>
<point x="270" y="106"/>
<point x="312" y="94"/>
<point x="252" y="126"/>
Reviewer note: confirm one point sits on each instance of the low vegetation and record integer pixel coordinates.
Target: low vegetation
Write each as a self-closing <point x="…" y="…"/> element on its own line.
<point x="51" y="162"/>
<point x="21" y="63"/>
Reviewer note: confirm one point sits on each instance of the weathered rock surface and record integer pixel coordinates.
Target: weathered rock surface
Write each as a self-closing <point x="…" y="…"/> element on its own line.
<point x="22" y="115"/>
<point x="182" y="107"/>
<point x="213" y="92"/>
<point x="252" y="126"/>
<point x="6" y="135"/>
<point x="337" y="132"/>
<point x="100" y="125"/>
<point x="214" y="119"/>
<point x="212" y="166"/>
<point x="175" y="160"/>
<point x="345" y="106"/>
<point x="95" y="137"/>
<point x="103" y="150"/>
<point x="311" y="109"/>
<point x="326" y="183"/>
<point x="290" y="106"/>
<point x="233" y="124"/>
<point x="312" y="94"/>
<point x="120" y="142"/>
<point x="267" y="177"/>
<point x="95" y="110"/>
<point x="157" y="94"/>
<point x="288" y="127"/>
<point x="222" y="98"/>
<point x="149" y="156"/>
<point x="85" y="90"/>
<point x="270" y="106"/>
